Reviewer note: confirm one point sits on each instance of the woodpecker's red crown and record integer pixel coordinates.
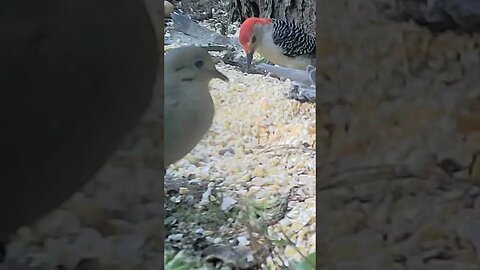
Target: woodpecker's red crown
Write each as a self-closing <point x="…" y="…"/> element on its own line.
<point x="246" y="31"/>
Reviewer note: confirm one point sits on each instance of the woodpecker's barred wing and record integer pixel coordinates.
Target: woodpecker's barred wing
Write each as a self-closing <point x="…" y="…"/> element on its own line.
<point x="293" y="39"/>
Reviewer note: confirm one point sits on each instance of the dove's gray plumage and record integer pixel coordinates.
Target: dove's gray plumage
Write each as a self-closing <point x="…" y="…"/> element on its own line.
<point x="189" y="108"/>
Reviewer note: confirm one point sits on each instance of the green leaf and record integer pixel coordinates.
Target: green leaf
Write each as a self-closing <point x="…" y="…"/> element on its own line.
<point x="308" y="263"/>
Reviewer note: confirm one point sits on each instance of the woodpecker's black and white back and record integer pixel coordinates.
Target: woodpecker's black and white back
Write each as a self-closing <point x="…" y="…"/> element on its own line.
<point x="293" y="39"/>
<point x="283" y="43"/>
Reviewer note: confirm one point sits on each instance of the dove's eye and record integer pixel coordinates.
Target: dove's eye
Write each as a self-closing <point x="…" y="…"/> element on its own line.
<point x="198" y="63"/>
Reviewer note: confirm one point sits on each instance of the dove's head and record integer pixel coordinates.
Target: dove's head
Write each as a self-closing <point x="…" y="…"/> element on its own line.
<point x="190" y="64"/>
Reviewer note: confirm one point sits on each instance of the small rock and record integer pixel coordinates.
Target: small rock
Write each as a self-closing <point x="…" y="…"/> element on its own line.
<point x="243" y="241"/>
<point x="176" y="237"/>
<point x="227" y="203"/>
<point x="183" y="190"/>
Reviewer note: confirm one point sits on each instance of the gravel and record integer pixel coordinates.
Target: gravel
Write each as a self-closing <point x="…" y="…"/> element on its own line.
<point x="261" y="145"/>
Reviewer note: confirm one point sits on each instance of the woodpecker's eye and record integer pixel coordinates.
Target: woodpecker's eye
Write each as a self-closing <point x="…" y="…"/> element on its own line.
<point x="254" y="39"/>
<point x="198" y="63"/>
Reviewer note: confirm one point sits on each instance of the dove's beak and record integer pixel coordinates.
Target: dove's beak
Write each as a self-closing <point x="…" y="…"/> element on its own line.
<point x="217" y="74"/>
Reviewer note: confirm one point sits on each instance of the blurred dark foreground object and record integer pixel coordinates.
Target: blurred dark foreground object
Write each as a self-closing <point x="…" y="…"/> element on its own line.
<point x="75" y="77"/>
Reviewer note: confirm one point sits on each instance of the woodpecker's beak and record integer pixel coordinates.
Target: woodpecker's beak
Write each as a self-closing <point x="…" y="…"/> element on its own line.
<point x="249" y="59"/>
<point x="217" y="74"/>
